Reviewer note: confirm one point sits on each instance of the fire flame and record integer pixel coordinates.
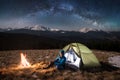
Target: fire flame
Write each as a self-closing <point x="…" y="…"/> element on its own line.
<point x="24" y="61"/>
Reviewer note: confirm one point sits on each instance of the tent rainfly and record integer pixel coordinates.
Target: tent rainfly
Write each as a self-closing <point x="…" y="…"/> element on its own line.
<point x="76" y="52"/>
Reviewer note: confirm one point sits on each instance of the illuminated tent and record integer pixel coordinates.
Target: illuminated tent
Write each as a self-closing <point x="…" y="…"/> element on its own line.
<point x="77" y="54"/>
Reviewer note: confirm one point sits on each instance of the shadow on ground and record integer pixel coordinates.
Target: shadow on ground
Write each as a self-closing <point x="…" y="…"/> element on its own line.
<point x="104" y="67"/>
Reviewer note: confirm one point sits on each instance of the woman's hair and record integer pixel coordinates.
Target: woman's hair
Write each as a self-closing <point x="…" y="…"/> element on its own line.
<point x="62" y="51"/>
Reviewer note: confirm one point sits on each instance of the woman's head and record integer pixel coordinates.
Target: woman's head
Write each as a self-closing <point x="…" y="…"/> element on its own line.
<point x="61" y="53"/>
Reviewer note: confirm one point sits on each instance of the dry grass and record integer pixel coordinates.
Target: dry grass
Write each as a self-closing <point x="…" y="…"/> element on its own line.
<point x="10" y="70"/>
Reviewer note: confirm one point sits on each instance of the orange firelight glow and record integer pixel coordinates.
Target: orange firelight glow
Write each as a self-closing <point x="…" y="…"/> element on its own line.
<point x="24" y="62"/>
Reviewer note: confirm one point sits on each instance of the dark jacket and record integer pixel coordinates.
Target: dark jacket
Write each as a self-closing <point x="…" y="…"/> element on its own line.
<point x="60" y="62"/>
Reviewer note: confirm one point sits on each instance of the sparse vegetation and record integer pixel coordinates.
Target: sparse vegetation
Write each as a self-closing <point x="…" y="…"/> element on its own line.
<point x="9" y="59"/>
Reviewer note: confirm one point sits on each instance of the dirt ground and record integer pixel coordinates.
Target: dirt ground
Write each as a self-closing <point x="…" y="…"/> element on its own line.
<point x="10" y="69"/>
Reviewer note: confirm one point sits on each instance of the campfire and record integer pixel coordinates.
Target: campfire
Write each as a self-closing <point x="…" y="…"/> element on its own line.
<point x="25" y="65"/>
<point x="24" y="62"/>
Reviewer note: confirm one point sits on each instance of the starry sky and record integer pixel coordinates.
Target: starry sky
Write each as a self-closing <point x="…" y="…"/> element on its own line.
<point x="61" y="14"/>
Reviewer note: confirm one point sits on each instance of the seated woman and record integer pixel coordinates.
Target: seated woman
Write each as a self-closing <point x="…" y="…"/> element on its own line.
<point x="59" y="62"/>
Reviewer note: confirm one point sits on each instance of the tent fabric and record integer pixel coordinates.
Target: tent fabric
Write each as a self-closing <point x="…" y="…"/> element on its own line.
<point x="83" y="53"/>
<point x="72" y="58"/>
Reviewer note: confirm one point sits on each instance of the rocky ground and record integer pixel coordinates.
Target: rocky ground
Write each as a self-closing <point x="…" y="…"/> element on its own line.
<point x="10" y="69"/>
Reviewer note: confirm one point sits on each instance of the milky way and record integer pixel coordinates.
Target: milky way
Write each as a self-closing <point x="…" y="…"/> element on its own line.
<point x="61" y="14"/>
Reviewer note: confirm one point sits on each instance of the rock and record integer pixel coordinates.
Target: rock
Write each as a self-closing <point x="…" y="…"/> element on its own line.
<point x="115" y="61"/>
<point x="34" y="76"/>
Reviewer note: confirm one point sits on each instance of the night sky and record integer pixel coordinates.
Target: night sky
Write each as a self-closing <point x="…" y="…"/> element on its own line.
<point x="61" y="14"/>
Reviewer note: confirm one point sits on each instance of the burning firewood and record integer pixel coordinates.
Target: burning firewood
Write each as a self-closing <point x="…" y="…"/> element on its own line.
<point x="27" y="66"/>
<point x="24" y="62"/>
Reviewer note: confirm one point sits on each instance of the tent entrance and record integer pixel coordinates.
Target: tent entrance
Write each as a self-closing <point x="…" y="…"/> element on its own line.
<point x="72" y="58"/>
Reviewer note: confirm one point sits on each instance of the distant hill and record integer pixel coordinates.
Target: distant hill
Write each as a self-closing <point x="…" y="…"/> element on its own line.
<point x="44" y="38"/>
<point x="9" y="41"/>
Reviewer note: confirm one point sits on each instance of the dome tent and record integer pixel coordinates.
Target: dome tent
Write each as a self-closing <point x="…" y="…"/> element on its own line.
<point x="82" y="53"/>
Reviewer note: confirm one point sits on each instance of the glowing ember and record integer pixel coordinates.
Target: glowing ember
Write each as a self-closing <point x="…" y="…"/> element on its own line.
<point x="24" y="61"/>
